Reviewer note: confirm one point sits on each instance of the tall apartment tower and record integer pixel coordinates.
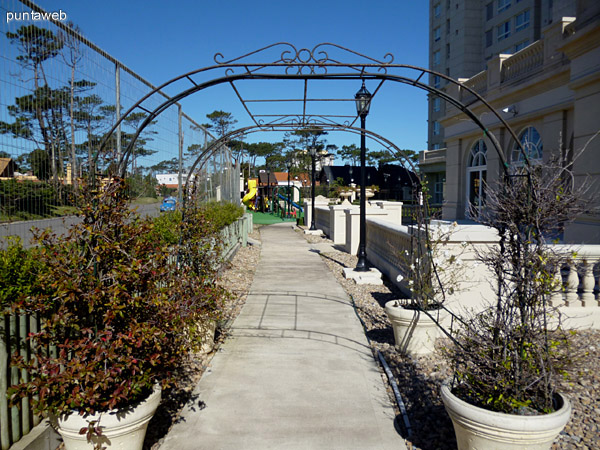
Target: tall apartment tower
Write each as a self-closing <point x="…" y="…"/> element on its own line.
<point x="465" y="34"/>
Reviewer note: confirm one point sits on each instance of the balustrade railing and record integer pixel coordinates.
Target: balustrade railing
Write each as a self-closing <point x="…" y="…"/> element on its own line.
<point x="390" y="244"/>
<point x="579" y="278"/>
<point x="478" y="83"/>
<point x="429" y="156"/>
<point x="322" y="219"/>
<point x="523" y="62"/>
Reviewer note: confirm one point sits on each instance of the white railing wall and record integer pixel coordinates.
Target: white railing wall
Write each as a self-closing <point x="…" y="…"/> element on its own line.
<point x="322" y="217"/>
<point x="389" y="242"/>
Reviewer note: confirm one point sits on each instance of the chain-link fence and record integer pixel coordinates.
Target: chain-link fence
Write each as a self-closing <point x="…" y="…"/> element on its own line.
<point x="59" y="96"/>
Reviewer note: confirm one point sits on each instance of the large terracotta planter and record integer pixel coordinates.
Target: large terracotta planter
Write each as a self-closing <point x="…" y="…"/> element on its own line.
<point x="121" y="429"/>
<point x="414" y="331"/>
<point x="478" y="428"/>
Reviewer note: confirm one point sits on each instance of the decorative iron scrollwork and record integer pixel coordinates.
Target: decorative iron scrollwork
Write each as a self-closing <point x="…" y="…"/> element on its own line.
<point x="305" y="61"/>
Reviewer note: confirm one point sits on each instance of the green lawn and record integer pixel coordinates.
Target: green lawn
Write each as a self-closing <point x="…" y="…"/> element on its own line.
<point x="267" y="219"/>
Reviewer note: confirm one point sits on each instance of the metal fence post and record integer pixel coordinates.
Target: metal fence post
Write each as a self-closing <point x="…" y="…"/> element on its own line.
<point x="180" y="175"/>
<point x="118" y="109"/>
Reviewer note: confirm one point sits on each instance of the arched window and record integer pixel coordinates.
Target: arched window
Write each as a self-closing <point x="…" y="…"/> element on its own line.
<point x="476" y="176"/>
<point x="531" y="141"/>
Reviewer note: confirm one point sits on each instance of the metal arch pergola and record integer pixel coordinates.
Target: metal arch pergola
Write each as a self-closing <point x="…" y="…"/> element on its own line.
<point x="304" y="65"/>
<point x="307" y="66"/>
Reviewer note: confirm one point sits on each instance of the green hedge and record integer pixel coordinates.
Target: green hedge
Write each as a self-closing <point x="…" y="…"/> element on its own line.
<point x="19" y="270"/>
<point x="216" y="216"/>
<point x="221" y="215"/>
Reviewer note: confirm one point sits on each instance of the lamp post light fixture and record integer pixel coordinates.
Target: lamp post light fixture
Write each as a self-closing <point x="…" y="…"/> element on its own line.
<point x="289" y="192"/>
<point x="312" y="151"/>
<point x="363" y="102"/>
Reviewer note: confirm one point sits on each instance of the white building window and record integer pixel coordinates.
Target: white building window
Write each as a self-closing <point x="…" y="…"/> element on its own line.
<point x="436" y="128"/>
<point x="437" y="34"/>
<point x="522" y="21"/>
<point x="438" y="189"/>
<point x="532" y="144"/>
<point x="437" y="10"/>
<point x="436" y="58"/>
<point x="503" y="30"/>
<point x="436" y="81"/>
<point x="436" y="104"/>
<point x="476" y="178"/>
<point x="503" y="4"/>
<point x="521" y="45"/>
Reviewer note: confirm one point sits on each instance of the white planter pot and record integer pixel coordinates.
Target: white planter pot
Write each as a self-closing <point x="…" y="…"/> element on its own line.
<point x="414" y="331"/>
<point x="122" y="429"/>
<point x="478" y="428"/>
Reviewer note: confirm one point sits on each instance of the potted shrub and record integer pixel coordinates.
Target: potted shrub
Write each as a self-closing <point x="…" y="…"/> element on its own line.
<point x="117" y="322"/>
<point x="507" y="358"/>
<point x="433" y="270"/>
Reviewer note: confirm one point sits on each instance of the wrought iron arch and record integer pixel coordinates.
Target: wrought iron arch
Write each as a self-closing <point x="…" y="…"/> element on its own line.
<point x="308" y="65"/>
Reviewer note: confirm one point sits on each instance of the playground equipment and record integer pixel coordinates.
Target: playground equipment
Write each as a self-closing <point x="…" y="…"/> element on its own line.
<point x="250" y="198"/>
<point x="286" y="199"/>
<point x="289" y="207"/>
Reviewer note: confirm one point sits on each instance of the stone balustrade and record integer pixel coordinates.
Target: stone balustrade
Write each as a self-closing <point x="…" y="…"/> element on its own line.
<point x="580" y="278"/>
<point x="322" y="217"/>
<point x="523" y="62"/>
<point x="386" y="243"/>
<point x="320" y="201"/>
<point x="389" y="243"/>
<point x="432" y="156"/>
<point x="478" y="83"/>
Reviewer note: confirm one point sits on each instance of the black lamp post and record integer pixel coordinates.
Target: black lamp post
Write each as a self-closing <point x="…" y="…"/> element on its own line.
<point x="289" y="203"/>
<point x="363" y="102"/>
<point x="313" y="156"/>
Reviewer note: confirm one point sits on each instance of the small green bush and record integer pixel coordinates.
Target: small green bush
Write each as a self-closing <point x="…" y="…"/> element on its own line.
<point x="22" y="199"/>
<point x="167" y="227"/>
<point x="19" y="269"/>
<point x="220" y="215"/>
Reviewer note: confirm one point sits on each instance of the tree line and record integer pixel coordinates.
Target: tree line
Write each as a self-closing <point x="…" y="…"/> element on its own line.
<point x="51" y="114"/>
<point x="289" y="154"/>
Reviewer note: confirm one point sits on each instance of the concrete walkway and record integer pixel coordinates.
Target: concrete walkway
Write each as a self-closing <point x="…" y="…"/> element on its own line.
<point x="297" y="372"/>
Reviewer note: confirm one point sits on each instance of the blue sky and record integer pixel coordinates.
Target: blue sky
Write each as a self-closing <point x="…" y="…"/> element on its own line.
<point x="160" y="40"/>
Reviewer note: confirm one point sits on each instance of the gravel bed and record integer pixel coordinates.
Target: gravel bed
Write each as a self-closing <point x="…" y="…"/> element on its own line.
<point x="237" y="277"/>
<point x="419" y="378"/>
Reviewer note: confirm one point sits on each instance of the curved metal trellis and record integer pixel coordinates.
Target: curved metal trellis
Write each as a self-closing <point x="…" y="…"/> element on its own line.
<point x="308" y="65"/>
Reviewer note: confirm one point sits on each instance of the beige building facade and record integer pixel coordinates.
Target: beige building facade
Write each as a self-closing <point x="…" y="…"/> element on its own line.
<point x="549" y="93"/>
<point x="465" y="34"/>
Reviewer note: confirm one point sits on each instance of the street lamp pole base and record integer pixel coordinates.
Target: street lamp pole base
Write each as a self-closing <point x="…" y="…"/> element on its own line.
<point x="361" y="265"/>
<point x="314" y="232"/>
<point x="370" y="276"/>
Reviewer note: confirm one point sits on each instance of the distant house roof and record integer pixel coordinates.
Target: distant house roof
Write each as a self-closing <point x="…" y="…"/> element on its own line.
<point x="281" y="176"/>
<point x="265" y="178"/>
<point x="7" y="168"/>
<point x="304" y="178"/>
<point x="395" y="176"/>
<point x="350" y="174"/>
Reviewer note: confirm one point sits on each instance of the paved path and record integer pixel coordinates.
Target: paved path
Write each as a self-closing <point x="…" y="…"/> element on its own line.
<point x="297" y="372"/>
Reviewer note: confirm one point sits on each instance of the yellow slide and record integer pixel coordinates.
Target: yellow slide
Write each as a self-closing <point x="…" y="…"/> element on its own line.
<point x="248" y="199"/>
